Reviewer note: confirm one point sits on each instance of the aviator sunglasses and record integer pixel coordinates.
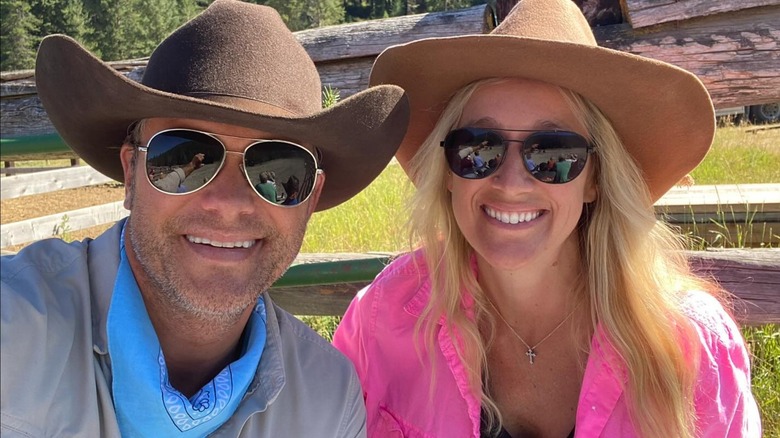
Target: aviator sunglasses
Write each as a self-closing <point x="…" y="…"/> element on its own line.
<point x="182" y="161"/>
<point x="553" y="157"/>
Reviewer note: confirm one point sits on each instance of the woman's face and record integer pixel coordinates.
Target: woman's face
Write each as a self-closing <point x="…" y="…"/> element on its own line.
<point x="544" y="215"/>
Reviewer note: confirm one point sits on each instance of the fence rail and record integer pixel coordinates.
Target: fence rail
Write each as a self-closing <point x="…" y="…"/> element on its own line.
<point x="324" y="284"/>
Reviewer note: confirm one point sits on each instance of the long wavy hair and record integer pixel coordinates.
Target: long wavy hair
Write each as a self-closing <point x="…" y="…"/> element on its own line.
<point x="634" y="272"/>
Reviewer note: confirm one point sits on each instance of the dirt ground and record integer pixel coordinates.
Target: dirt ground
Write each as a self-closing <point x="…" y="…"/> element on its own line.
<point x="29" y="207"/>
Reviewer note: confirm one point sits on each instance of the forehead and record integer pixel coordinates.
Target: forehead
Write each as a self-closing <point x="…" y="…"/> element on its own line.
<point x="519" y="104"/>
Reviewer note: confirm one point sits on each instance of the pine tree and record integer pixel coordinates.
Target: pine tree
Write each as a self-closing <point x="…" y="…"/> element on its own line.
<point x="307" y="14"/>
<point x="17" y="39"/>
<point x="115" y="24"/>
<point x="62" y="16"/>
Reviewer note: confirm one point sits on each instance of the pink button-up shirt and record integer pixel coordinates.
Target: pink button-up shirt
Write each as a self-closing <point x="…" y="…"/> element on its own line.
<point x="377" y="334"/>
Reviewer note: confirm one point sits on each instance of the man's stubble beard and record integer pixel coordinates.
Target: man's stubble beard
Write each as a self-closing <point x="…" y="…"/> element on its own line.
<point x="224" y="299"/>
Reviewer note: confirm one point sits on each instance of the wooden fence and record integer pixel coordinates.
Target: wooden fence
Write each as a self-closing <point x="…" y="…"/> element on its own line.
<point x="323" y="284"/>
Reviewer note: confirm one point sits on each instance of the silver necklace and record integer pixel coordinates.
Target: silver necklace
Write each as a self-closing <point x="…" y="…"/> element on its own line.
<point x="531" y="351"/>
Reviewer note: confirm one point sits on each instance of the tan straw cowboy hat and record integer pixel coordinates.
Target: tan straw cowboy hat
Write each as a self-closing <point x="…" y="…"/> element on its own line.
<point x="662" y="113"/>
<point x="235" y="63"/>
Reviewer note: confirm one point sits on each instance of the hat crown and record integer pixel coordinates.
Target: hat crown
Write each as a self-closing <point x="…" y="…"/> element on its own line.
<point x="552" y="20"/>
<point x="239" y="52"/>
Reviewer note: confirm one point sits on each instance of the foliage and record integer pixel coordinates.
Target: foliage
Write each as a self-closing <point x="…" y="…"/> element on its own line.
<point x="17" y="38"/>
<point x="764" y="345"/>
<point x="63" y="230"/>
<point x="741" y="156"/>
<point x="307" y="14"/>
<point x="373" y="220"/>
<point x="61" y="16"/>
<point x="330" y="96"/>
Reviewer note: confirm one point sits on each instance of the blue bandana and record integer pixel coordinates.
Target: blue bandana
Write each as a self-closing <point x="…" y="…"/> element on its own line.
<point x="145" y="402"/>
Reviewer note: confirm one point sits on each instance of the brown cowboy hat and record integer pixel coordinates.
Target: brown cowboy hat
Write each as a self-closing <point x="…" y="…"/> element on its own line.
<point x="235" y="63"/>
<point x="663" y="113"/>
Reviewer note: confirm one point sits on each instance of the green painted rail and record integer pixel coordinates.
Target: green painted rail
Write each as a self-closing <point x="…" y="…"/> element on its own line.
<point x="30" y="147"/>
<point x="333" y="272"/>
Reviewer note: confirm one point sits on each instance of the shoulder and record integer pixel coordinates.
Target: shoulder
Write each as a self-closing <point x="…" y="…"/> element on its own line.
<point x="714" y="325"/>
<point x="406" y="277"/>
<point x="35" y="274"/>
<point x="305" y="350"/>
<point x="46" y="257"/>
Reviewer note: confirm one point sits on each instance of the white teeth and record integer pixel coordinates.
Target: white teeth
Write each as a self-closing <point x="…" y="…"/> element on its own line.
<point x="204" y="241"/>
<point x="512" y="217"/>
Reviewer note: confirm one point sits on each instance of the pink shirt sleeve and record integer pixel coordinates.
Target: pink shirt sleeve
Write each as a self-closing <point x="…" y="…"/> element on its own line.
<point x="725" y="405"/>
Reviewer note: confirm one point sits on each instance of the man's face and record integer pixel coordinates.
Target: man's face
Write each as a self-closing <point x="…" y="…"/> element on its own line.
<point x="210" y="253"/>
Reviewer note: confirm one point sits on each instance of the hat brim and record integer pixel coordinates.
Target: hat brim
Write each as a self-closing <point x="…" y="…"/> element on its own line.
<point x="662" y="113"/>
<point x="356" y="137"/>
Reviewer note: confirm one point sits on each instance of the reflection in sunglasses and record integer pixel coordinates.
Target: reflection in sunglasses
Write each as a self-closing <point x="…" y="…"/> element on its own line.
<point x="554" y="157"/>
<point x="180" y="161"/>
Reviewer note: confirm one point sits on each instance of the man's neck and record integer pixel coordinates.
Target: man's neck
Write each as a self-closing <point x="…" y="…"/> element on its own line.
<point x="196" y="349"/>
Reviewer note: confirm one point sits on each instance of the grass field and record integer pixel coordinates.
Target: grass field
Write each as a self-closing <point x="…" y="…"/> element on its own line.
<point x="374" y="221"/>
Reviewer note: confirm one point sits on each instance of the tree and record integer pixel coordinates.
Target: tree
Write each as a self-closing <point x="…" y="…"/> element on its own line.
<point x="306" y="14"/>
<point x="62" y="16"/>
<point x="113" y="22"/>
<point x="17" y="41"/>
<point x="160" y="18"/>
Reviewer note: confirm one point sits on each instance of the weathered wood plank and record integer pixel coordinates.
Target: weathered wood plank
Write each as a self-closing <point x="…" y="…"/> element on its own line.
<point x="752" y="276"/>
<point x="369" y="38"/>
<point x="643" y="13"/>
<point x="712" y="198"/>
<point x="743" y="214"/>
<point x="50" y="181"/>
<point x="736" y="55"/>
<point x="47" y="226"/>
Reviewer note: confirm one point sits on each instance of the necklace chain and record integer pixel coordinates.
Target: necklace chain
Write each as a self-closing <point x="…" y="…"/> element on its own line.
<point x="531" y="351"/>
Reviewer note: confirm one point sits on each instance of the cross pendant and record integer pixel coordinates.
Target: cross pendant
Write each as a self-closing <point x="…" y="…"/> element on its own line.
<point x="531" y="355"/>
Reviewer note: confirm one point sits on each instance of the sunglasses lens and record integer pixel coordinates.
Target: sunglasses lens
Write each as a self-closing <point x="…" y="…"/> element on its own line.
<point x="555" y="157"/>
<point x="282" y="173"/>
<point x="473" y="153"/>
<point x="181" y="161"/>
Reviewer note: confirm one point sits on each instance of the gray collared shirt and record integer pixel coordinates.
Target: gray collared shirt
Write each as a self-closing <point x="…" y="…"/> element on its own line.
<point x="55" y="371"/>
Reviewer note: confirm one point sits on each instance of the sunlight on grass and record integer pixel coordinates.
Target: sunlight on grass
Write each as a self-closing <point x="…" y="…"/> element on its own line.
<point x="374" y="220"/>
<point x="764" y="344"/>
<point x="739" y="156"/>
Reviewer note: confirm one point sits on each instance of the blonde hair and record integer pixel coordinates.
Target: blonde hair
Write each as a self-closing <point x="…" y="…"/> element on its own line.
<point x="635" y="273"/>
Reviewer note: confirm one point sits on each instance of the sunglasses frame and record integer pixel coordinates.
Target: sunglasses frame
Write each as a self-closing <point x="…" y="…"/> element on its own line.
<point x="589" y="148"/>
<point x="318" y="171"/>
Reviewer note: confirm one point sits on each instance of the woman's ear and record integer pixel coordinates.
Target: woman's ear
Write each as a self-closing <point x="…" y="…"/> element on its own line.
<point x="591" y="191"/>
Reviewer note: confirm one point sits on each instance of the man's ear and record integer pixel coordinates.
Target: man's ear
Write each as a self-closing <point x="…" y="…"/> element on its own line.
<point x="315" y="194"/>
<point x="127" y="154"/>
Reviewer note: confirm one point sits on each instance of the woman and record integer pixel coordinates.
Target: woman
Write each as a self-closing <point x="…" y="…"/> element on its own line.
<point x="538" y="307"/>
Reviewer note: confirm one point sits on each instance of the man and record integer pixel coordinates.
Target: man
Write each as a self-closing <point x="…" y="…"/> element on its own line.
<point x="163" y="326"/>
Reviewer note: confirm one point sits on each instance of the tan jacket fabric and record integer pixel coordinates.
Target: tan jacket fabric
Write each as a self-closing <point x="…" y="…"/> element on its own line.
<point x="55" y="371"/>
